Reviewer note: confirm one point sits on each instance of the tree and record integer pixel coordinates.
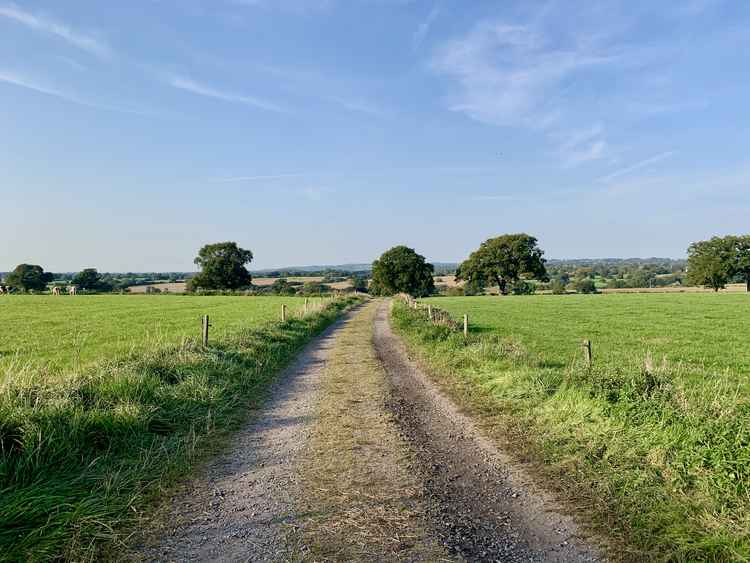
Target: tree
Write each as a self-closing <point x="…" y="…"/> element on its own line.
<point x="314" y="288"/>
<point x="502" y="261"/>
<point x="557" y="287"/>
<point x="90" y="280"/>
<point x="222" y="267"/>
<point x="29" y="277"/>
<point x="359" y="283"/>
<point x="402" y="270"/>
<point x="710" y="262"/>
<point x="741" y="258"/>
<point x="282" y="287"/>
<point x="584" y="285"/>
<point x="522" y="287"/>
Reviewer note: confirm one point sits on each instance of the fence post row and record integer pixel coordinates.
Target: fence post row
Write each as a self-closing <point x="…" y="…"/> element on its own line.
<point x="438" y="316"/>
<point x="204" y="331"/>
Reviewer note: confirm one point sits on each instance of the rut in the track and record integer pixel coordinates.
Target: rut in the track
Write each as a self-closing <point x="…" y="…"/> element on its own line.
<point x="481" y="505"/>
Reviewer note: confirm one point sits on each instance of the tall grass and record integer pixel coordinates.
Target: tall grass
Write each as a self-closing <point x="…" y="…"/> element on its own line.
<point x="655" y="454"/>
<point x="83" y="453"/>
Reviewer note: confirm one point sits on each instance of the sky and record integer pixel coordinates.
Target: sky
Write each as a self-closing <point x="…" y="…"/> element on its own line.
<point x="327" y="131"/>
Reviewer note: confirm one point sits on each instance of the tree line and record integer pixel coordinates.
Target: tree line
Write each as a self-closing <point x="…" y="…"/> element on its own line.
<point x="513" y="263"/>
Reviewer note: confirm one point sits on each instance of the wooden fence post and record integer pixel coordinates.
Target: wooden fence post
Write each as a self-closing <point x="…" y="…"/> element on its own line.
<point x="429" y="311"/>
<point x="204" y="332"/>
<point x="466" y="326"/>
<point x="305" y="305"/>
<point x="283" y="313"/>
<point x="587" y="351"/>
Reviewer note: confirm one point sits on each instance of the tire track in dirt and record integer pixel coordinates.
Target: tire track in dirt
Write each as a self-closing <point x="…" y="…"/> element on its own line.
<point x="481" y="505"/>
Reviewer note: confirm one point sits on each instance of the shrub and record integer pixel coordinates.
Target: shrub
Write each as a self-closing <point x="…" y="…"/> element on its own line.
<point x="585" y="285"/>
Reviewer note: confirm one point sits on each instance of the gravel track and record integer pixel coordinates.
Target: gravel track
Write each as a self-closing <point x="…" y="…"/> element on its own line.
<point x="248" y="504"/>
<point x="244" y="503"/>
<point x="482" y="505"/>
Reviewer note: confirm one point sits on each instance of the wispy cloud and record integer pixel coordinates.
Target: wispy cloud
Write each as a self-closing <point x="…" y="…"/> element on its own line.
<point x="515" y="76"/>
<point x="637" y="166"/>
<point x="254" y="178"/>
<point x="22" y="81"/>
<point x="75" y="65"/>
<point x="507" y="73"/>
<point x="358" y="106"/>
<point x="326" y="87"/>
<point x="43" y="24"/>
<point x="423" y="29"/>
<point x="208" y="91"/>
<point x="583" y="145"/>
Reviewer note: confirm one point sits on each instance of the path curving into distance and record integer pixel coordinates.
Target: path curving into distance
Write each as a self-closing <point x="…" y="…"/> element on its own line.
<point x="358" y="456"/>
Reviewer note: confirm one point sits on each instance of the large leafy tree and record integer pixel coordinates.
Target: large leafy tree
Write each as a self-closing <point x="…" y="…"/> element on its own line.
<point x="503" y="261"/>
<point x="29" y="277"/>
<point x="711" y="262"/>
<point x="741" y="258"/>
<point x="222" y="267"/>
<point x="90" y="280"/>
<point x="402" y="270"/>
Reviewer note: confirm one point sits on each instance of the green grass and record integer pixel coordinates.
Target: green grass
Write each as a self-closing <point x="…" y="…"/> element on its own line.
<point x="653" y="442"/>
<point x="65" y="332"/>
<point x="84" y="452"/>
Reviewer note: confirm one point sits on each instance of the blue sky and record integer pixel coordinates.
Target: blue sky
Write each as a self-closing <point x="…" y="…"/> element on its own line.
<point x="326" y="131"/>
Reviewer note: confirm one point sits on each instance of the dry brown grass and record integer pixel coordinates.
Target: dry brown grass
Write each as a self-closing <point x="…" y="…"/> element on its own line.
<point x="363" y="503"/>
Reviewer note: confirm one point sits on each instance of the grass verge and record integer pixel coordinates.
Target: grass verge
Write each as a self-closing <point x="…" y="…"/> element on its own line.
<point x="657" y="459"/>
<point x="81" y="455"/>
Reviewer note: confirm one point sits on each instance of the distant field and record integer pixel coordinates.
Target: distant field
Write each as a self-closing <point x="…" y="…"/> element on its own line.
<point x="179" y="287"/>
<point x="702" y="329"/>
<point x="63" y="331"/>
<point x="731" y="288"/>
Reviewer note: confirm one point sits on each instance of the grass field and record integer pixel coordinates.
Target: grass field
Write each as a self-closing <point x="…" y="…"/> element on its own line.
<point x="65" y="332"/>
<point x="84" y="451"/>
<point x="706" y="332"/>
<point x="653" y="441"/>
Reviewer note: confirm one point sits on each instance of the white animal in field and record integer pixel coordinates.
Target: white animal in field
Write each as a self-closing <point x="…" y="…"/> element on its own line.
<point x="72" y="290"/>
<point x="55" y="290"/>
<point x="2" y="289"/>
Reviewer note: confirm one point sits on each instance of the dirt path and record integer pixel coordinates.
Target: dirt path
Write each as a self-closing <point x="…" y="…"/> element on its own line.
<point x="362" y="501"/>
<point x="358" y="457"/>
<point x="481" y="505"/>
<point x="242" y="506"/>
